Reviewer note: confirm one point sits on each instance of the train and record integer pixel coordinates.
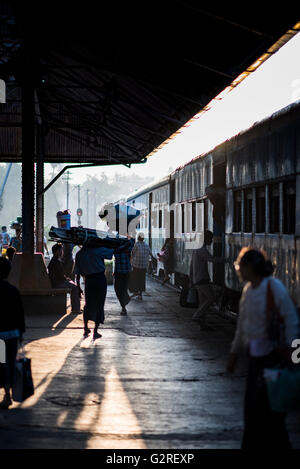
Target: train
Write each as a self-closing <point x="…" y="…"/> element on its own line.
<point x="246" y="191"/>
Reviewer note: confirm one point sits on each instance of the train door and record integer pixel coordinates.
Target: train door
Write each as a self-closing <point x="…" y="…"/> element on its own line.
<point x="150" y="221"/>
<point x="171" y="204"/>
<point x="219" y="175"/>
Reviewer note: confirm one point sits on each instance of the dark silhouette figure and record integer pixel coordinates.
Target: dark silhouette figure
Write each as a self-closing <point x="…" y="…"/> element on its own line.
<point x="12" y="327"/>
<point x="58" y="278"/>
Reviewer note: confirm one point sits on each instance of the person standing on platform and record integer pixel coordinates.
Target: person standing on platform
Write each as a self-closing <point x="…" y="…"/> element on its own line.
<point x="4" y="238"/>
<point x="89" y="262"/>
<point x="199" y="277"/>
<point x="122" y="273"/>
<point x="10" y="252"/>
<point x="68" y="261"/>
<point x="59" y="280"/>
<point x="139" y="260"/>
<point x="16" y="241"/>
<point x="12" y="327"/>
<point x="166" y="257"/>
<point x="262" y="295"/>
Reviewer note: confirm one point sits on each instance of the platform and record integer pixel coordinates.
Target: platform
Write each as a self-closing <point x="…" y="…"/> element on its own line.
<point x="154" y="380"/>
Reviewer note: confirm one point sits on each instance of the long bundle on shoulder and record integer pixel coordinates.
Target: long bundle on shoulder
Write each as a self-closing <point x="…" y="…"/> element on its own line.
<point x="86" y="236"/>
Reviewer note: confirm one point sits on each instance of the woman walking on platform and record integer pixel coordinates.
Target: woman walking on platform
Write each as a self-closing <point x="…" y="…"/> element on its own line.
<point x="89" y="263"/>
<point x="166" y="257"/>
<point x="263" y="428"/>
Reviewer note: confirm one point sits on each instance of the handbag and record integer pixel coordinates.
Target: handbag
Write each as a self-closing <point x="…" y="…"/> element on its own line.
<point x="188" y="297"/>
<point x="283" y="386"/>
<point x="192" y="296"/>
<point x="162" y="256"/>
<point x="23" y="383"/>
<point x="283" y="383"/>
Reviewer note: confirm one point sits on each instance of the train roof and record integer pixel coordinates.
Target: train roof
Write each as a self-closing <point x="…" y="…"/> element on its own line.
<point x="276" y="117"/>
<point x="147" y="187"/>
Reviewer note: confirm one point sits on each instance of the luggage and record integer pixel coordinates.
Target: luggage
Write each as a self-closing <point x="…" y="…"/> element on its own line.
<point x="23" y="384"/>
<point x="80" y="236"/>
<point x="188" y="297"/>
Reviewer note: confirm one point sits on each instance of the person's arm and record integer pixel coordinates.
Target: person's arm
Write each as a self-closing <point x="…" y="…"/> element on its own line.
<point x="123" y="247"/>
<point x="237" y="344"/>
<point x="107" y="253"/>
<point x="133" y="252"/>
<point x="77" y="278"/>
<point x="207" y="256"/>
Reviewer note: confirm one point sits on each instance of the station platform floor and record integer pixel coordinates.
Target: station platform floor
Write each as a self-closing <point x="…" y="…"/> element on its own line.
<point x="153" y="380"/>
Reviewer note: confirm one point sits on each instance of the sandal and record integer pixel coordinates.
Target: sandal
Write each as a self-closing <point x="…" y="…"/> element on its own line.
<point x="5" y="403"/>
<point x="96" y="335"/>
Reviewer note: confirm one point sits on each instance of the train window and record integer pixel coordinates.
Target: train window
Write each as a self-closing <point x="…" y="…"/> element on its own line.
<point x="274" y="208"/>
<point x="260" y="210"/>
<point x="248" y="211"/>
<point x="289" y="207"/>
<point x="160" y="219"/>
<point x="182" y="218"/>
<point x="177" y="214"/>
<point x="206" y="214"/>
<point x="194" y="213"/>
<point x="237" y="211"/>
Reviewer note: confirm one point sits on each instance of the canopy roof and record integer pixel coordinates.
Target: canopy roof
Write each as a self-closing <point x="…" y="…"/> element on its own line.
<point x="114" y="81"/>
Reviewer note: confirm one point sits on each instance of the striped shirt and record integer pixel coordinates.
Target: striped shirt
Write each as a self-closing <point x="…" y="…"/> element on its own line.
<point x="140" y="255"/>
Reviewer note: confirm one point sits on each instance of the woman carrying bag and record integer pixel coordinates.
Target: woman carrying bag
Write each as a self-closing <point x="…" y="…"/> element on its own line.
<point x="263" y="428"/>
<point x="166" y="257"/>
<point x="12" y="327"/>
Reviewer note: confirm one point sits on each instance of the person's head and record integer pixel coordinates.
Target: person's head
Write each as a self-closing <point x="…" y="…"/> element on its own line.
<point x="4" y="268"/>
<point x="141" y="237"/>
<point x="208" y="237"/>
<point x="253" y="264"/>
<point x="4" y="229"/>
<point x="57" y="250"/>
<point x="10" y="252"/>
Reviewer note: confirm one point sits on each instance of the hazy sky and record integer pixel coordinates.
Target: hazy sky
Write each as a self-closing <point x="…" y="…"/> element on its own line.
<point x="274" y="85"/>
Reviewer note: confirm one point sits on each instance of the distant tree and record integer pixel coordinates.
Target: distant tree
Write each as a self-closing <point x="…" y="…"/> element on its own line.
<point x="101" y="189"/>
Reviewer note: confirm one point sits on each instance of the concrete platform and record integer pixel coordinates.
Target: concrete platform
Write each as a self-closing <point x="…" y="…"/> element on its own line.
<point x="154" y="380"/>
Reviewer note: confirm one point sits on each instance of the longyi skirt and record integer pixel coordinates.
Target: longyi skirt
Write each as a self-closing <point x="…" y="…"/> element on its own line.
<point x="95" y="294"/>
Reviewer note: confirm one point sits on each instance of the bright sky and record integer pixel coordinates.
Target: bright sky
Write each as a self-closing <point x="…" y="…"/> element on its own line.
<point x="273" y="86"/>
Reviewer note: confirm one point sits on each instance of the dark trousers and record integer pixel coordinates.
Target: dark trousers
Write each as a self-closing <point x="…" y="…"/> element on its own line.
<point x="263" y="429"/>
<point x="121" y="287"/>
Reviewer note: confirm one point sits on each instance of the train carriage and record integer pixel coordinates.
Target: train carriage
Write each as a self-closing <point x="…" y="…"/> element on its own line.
<point x="246" y="190"/>
<point x="262" y="192"/>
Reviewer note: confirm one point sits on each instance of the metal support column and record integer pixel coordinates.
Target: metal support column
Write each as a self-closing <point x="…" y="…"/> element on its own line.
<point x="28" y="148"/>
<point x="39" y="190"/>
